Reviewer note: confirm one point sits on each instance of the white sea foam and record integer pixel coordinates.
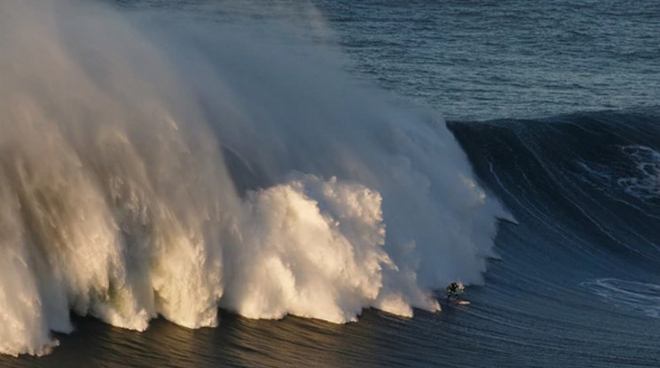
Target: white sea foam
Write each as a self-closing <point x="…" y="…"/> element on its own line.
<point x="122" y="140"/>
<point x="645" y="184"/>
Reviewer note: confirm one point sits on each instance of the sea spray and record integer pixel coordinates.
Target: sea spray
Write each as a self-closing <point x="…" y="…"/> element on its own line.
<point x="317" y="252"/>
<point x="155" y="165"/>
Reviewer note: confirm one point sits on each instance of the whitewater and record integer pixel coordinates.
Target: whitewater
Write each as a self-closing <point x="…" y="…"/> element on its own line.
<point x="154" y="167"/>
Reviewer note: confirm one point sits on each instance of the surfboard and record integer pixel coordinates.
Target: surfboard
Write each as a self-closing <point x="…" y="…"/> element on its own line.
<point x="462" y="302"/>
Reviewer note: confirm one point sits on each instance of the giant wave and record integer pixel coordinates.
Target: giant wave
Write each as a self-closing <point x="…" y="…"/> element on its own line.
<point x="169" y="166"/>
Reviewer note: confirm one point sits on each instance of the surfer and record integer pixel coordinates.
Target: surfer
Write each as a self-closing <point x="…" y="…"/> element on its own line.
<point x="453" y="290"/>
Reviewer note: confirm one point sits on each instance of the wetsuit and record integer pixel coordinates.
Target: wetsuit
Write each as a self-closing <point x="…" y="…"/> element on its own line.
<point x="452" y="290"/>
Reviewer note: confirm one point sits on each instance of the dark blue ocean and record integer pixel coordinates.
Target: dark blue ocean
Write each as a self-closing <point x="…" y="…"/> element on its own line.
<point x="553" y="105"/>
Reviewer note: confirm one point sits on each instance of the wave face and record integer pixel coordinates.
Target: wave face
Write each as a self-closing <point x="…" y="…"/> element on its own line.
<point x="586" y="184"/>
<point x="579" y="267"/>
<point x="151" y="166"/>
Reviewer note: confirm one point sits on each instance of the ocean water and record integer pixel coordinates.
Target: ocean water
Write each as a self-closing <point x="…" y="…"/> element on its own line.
<point x="222" y="183"/>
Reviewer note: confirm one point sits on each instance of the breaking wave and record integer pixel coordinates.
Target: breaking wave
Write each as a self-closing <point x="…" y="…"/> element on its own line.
<point x="156" y="165"/>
